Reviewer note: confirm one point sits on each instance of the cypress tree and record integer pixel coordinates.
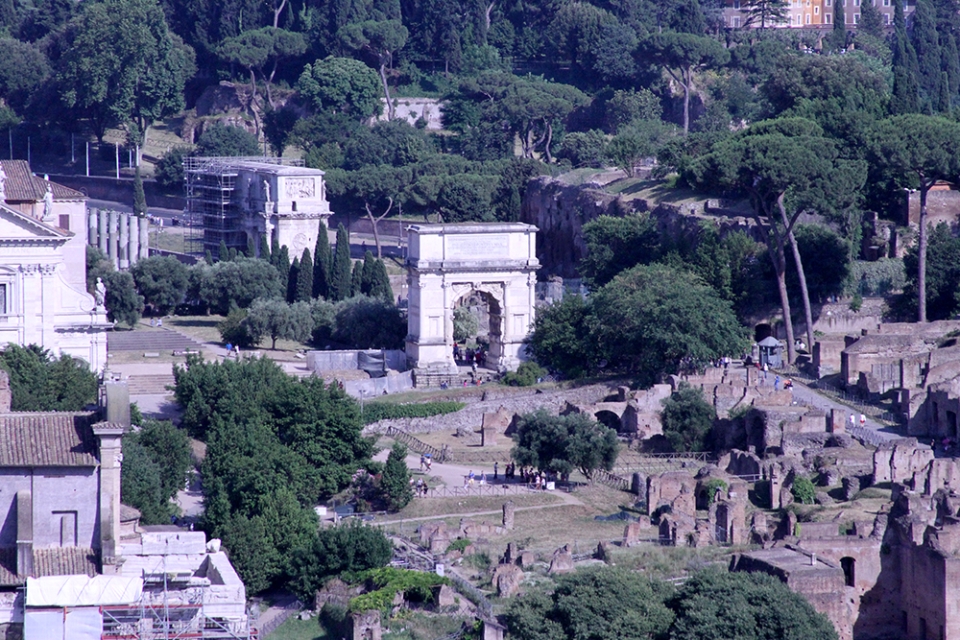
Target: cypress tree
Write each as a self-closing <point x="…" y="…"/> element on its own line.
<point x="222" y="254"/>
<point x="950" y="63"/>
<point x="871" y="20"/>
<point x="905" y="71"/>
<point x="232" y="254"/>
<point x="251" y="251"/>
<point x="380" y="287"/>
<point x="340" y="273"/>
<point x="283" y="262"/>
<point x="208" y="257"/>
<point x="356" y="279"/>
<point x="305" y="278"/>
<point x="292" y="277"/>
<point x="264" y="248"/>
<point x="321" y="268"/>
<point x="139" y="197"/>
<point x="838" y="37"/>
<point x="943" y="103"/>
<point x="275" y="251"/>
<point x="926" y="43"/>
<point x="368" y="268"/>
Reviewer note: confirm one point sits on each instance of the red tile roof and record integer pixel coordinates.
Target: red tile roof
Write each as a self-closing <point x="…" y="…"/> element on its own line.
<point x="66" y="561"/>
<point x="47" y="440"/>
<point x="22" y="186"/>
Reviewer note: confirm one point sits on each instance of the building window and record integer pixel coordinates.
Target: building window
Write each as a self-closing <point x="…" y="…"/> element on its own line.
<point x="816" y="11"/>
<point x="808" y="18"/>
<point x="886" y="18"/>
<point x="736" y="23"/>
<point x="3" y="299"/>
<point x="856" y="18"/>
<point x="65" y="222"/>
<point x="736" y="4"/>
<point x="829" y="3"/>
<point x="886" y="3"/>
<point x="68" y="527"/>
<point x="827" y="18"/>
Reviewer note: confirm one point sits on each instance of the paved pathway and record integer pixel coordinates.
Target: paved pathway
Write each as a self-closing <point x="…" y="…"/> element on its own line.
<point x="809" y="397"/>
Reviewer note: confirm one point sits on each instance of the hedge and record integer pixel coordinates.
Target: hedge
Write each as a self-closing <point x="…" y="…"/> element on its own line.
<point x="376" y="411"/>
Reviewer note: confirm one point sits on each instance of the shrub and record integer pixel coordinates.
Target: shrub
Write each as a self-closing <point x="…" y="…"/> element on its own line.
<point x="169" y="169"/>
<point x="526" y="375"/>
<point x="711" y="488"/>
<point x="803" y="490"/>
<point x="389" y="581"/>
<point x="234" y="330"/>
<point x="376" y="411"/>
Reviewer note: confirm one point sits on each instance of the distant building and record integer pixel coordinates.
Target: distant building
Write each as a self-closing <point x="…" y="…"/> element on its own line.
<point x="43" y="268"/>
<point x="241" y="199"/>
<point x="811" y="14"/>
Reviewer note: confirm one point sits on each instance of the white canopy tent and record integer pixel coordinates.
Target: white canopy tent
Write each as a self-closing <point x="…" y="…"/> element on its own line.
<point x="68" y="607"/>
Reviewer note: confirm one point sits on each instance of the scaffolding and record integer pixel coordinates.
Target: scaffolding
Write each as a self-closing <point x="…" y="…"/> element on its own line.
<point x="162" y="616"/>
<point x="212" y="201"/>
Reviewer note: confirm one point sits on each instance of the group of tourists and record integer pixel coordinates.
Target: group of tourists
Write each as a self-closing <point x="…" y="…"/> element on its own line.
<point x="474" y="357"/>
<point x="420" y="488"/>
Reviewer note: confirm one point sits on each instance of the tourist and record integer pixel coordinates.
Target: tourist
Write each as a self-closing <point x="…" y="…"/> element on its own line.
<point x="776" y="383"/>
<point x="423" y="462"/>
<point x="483" y="478"/>
<point x="495" y="469"/>
<point x="863" y="420"/>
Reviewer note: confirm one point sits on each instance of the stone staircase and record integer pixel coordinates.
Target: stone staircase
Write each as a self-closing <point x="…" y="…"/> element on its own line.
<point x="159" y="341"/>
<point x="147" y="385"/>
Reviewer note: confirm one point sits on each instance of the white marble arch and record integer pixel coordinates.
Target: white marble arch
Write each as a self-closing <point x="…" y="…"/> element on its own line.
<point x="447" y="262"/>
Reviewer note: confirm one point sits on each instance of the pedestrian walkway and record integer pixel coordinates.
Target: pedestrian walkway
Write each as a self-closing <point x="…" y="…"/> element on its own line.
<point x="872" y="431"/>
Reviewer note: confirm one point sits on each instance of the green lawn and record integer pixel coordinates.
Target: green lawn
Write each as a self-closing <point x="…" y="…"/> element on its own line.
<point x="297" y="629"/>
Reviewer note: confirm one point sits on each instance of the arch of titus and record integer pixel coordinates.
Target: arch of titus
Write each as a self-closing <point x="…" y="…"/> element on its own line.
<point x="447" y="263"/>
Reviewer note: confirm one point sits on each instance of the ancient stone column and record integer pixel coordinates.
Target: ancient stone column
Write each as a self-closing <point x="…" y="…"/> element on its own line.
<point x="144" y="238"/>
<point x="123" y="253"/>
<point x="92" y="227"/>
<point x="102" y="236"/>
<point x="508" y="510"/>
<point x="114" y="232"/>
<point x="133" y="251"/>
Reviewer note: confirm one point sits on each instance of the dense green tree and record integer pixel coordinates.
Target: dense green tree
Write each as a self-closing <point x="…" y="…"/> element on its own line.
<point x="919" y="148"/>
<point x="871" y="20"/>
<point x="593" y="604"/>
<point x="682" y="55"/>
<point x="904" y="97"/>
<point x="276" y="319"/>
<point x="465" y="324"/>
<point x="291" y="284"/>
<point x="926" y="44"/>
<point x="168" y="171"/>
<point x="753" y="606"/>
<point x="278" y="125"/>
<point x="617" y="243"/>
<point x="378" y="40"/>
<point x="347" y="548"/>
<point x="395" y="480"/>
<point x="304" y="288"/>
<point x="260" y="51"/>
<point x="369" y="323"/>
<point x="238" y="283"/>
<point x="141" y="485"/>
<point x="826" y="259"/>
<point x="356" y="279"/>
<point x="943" y="273"/>
<point x="23" y="71"/>
<point x="583" y="149"/>
<point x="342" y="85"/>
<point x="687" y="419"/>
<point x="223" y="254"/>
<point x="162" y="281"/>
<point x="786" y="167"/>
<point x="137" y="80"/>
<point x="139" y="197"/>
<point x="322" y="265"/>
<point x="766" y="13"/>
<point x="40" y="382"/>
<point x="654" y="319"/>
<point x="340" y="274"/>
<point x="122" y="301"/>
<point x="226" y="140"/>
<point x="559" y="337"/>
<point x="627" y="107"/>
<point x="636" y="142"/>
<point x="561" y="444"/>
<point x="375" y="188"/>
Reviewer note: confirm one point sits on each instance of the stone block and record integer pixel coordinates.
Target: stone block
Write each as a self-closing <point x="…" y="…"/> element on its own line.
<point x="562" y="561"/>
<point x="507" y="578"/>
<point x="631" y="535"/>
<point x="508" y="514"/>
<point x="851" y="487"/>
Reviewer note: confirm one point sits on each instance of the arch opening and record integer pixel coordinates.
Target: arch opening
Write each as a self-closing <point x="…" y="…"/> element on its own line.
<point x="849" y="566"/>
<point x="478" y="325"/>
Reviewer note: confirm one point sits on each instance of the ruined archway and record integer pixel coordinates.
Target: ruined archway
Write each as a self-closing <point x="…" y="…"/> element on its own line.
<point x="449" y="264"/>
<point x="489" y="314"/>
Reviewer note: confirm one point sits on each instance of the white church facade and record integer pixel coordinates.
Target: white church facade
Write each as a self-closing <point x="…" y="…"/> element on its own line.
<point x="43" y="296"/>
